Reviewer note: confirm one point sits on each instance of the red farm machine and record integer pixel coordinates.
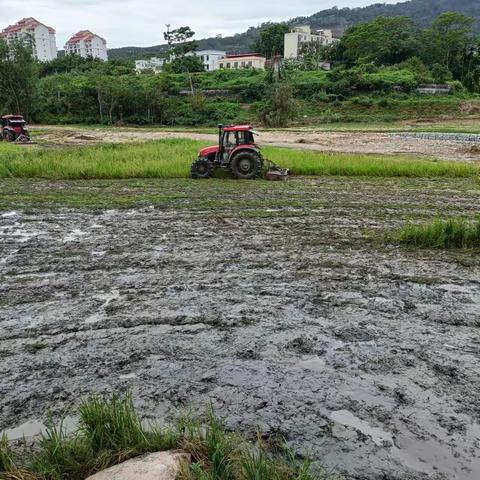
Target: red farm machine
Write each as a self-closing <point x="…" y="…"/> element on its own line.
<point x="13" y="129"/>
<point x="238" y="153"/>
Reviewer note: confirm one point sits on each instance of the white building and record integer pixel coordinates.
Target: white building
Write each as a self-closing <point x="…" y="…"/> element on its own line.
<point x="87" y="44"/>
<point x="153" y="64"/>
<point x="246" y="60"/>
<point x="304" y="34"/>
<point x="34" y="33"/>
<point x="211" y="59"/>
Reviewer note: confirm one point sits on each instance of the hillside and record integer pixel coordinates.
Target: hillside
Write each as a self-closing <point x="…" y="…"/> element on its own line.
<point x="422" y="11"/>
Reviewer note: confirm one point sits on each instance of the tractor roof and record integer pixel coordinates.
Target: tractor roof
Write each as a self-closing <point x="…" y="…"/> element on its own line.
<point x="238" y="128"/>
<point x="12" y="117"/>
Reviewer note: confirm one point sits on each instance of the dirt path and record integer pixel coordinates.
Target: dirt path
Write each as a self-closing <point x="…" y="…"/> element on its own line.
<point x="348" y="142"/>
<point x="278" y="303"/>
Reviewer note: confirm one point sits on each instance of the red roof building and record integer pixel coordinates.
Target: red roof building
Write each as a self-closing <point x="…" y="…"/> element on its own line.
<point x="87" y="44"/>
<point x="34" y="33"/>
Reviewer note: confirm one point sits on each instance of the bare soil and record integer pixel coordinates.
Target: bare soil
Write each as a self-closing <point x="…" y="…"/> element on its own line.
<point x="282" y="304"/>
<point x="346" y="142"/>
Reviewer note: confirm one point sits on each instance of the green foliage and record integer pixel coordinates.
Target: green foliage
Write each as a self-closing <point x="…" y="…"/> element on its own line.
<point x="18" y="79"/>
<point x="190" y="63"/>
<point x="384" y="41"/>
<point x="450" y="233"/>
<point x="272" y="39"/>
<point x="280" y="107"/>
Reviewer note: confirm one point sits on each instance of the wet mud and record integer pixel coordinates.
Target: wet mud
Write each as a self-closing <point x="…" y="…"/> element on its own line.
<point x="297" y="319"/>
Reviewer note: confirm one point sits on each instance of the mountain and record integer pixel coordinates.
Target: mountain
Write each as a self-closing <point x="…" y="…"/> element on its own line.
<point x="422" y="11"/>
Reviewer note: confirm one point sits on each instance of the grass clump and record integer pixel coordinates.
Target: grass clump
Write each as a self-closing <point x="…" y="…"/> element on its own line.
<point x="442" y="233"/>
<point x="172" y="159"/>
<point x="110" y="431"/>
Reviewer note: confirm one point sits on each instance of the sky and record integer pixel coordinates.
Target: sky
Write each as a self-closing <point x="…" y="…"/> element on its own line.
<point x="142" y="22"/>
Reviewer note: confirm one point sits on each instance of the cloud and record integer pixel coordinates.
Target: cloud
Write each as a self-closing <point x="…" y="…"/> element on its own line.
<point x="142" y="22"/>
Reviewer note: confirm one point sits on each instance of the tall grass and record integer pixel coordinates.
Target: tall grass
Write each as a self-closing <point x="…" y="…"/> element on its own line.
<point x="172" y="159"/>
<point x="111" y="431"/>
<point x="449" y="233"/>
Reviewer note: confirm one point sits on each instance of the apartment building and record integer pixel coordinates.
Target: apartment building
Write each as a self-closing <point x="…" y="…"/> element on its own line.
<point x="304" y="34"/>
<point x="246" y="60"/>
<point x="153" y="64"/>
<point x="39" y="36"/>
<point x="87" y="44"/>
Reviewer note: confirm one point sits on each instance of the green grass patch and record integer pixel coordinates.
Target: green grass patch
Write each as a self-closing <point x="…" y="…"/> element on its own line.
<point x="110" y="431"/>
<point x="440" y="233"/>
<point x="172" y="159"/>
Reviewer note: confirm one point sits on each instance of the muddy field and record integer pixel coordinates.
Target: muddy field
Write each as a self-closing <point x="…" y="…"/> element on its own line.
<point x="449" y="147"/>
<point x="281" y="304"/>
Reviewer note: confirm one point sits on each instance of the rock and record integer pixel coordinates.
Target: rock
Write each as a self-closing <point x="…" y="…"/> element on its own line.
<point x="154" y="466"/>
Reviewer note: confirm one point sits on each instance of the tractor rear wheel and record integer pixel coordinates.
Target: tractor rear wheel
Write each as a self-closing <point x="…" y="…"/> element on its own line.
<point x="202" y="168"/>
<point x="8" y="136"/>
<point x="246" y="166"/>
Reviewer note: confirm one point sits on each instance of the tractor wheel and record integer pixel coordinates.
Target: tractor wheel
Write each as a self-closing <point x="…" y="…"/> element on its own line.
<point x="246" y="166"/>
<point x="8" y="136"/>
<point x="202" y="168"/>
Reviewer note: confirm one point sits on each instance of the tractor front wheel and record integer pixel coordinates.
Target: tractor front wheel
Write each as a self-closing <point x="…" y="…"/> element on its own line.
<point x="246" y="166"/>
<point x="202" y="168"/>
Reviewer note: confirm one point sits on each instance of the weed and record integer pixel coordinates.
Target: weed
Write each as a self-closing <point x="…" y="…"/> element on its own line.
<point x="449" y="233"/>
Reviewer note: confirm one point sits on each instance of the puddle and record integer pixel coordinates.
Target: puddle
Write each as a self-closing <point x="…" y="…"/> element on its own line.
<point x="33" y="428"/>
<point x="10" y="214"/>
<point x="315" y="364"/>
<point x="74" y="235"/>
<point x="348" y="419"/>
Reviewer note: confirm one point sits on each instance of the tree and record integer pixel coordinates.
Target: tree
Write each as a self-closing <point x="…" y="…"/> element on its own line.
<point x="18" y="78"/>
<point x="448" y="42"/>
<point x="385" y="41"/>
<point x="180" y="48"/>
<point x="180" y="42"/>
<point x="272" y="39"/>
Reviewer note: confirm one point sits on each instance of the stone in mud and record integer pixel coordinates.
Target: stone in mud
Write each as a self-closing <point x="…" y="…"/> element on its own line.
<point x="154" y="466"/>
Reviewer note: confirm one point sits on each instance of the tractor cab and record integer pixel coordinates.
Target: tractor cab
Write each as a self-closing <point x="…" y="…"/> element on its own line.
<point x="232" y="139"/>
<point x="13" y="128"/>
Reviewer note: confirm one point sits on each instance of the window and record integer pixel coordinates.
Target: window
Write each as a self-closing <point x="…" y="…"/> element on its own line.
<point x="250" y="64"/>
<point x="229" y="65"/>
<point x="235" y="64"/>
<point x="243" y="64"/>
<point x="207" y="67"/>
<point x="208" y="58"/>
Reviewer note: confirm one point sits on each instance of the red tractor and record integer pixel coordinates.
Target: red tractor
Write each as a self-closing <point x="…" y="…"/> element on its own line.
<point x="237" y="152"/>
<point x="13" y="129"/>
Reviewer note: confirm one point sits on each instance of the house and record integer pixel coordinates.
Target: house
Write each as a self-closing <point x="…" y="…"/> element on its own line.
<point x="153" y="64"/>
<point x="211" y="59"/>
<point x="37" y="35"/>
<point x="245" y="60"/>
<point x="304" y="34"/>
<point x="87" y="44"/>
